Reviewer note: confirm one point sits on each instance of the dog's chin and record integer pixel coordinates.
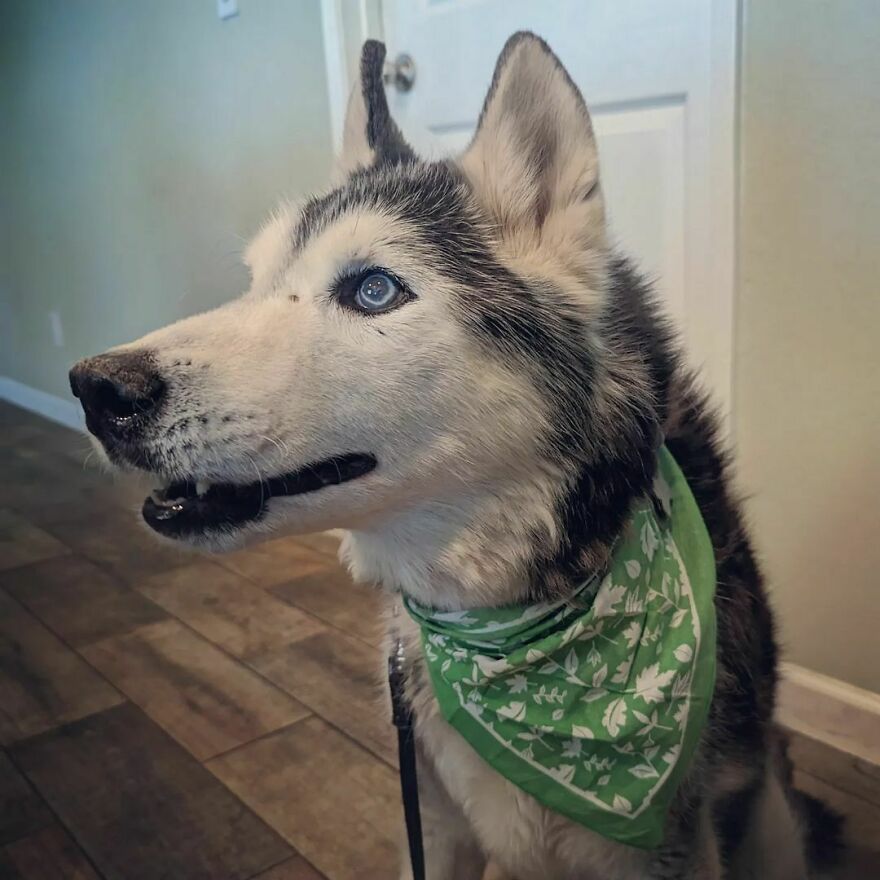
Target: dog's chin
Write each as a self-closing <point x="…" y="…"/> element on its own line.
<point x="222" y="516"/>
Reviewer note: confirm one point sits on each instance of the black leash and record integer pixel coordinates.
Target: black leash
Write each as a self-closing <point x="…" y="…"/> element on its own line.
<point x="402" y="716"/>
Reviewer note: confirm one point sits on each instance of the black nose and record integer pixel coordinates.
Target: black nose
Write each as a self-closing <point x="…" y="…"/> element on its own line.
<point x="117" y="391"/>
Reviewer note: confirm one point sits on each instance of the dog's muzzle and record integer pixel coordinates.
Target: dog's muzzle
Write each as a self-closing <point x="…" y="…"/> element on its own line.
<point x="123" y="395"/>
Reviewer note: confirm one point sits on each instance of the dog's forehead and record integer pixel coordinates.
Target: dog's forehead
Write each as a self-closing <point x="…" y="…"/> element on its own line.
<point x="422" y="212"/>
<point x="427" y="208"/>
<point x="432" y="199"/>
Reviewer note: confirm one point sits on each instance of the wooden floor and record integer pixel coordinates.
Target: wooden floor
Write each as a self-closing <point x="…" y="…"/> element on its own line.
<point x="168" y="716"/>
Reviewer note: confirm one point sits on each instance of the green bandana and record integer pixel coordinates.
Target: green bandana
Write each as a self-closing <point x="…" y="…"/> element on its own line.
<point x="594" y="705"/>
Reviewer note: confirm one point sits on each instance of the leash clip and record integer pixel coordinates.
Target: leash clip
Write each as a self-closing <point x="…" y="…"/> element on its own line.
<point x="401" y="714"/>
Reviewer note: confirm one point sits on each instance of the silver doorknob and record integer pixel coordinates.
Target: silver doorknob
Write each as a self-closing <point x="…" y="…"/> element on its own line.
<point x="400" y="73"/>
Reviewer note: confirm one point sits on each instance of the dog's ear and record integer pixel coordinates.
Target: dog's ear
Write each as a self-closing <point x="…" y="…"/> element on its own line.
<point x="370" y="135"/>
<point x="533" y="161"/>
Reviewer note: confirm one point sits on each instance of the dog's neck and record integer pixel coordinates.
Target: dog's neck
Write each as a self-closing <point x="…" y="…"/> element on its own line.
<point x="535" y="536"/>
<point x="473" y="552"/>
<point x="478" y="551"/>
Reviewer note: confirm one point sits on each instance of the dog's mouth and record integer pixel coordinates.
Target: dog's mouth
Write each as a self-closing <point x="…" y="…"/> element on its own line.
<point x="186" y="508"/>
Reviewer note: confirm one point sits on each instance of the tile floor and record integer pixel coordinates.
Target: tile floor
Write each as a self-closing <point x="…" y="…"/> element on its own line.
<point x="163" y="715"/>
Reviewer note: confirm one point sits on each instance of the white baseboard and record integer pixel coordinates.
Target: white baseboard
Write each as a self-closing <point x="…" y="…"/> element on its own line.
<point x="56" y="409"/>
<point x="836" y="713"/>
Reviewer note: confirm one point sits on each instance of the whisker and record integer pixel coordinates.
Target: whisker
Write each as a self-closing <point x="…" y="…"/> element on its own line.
<point x="281" y="447"/>
<point x="259" y="478"/>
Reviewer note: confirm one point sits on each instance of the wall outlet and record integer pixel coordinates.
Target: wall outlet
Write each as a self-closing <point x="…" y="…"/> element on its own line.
<point x="57" y="328"/>
<point x="227" y="8"/>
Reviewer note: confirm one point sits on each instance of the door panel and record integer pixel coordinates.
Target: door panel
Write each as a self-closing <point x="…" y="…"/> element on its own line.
<point x="659" y="80"/>
<point x="641" y="155"/>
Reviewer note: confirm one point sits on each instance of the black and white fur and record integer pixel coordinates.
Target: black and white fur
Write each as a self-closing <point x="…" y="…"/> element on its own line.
<point x="514" y="406"/>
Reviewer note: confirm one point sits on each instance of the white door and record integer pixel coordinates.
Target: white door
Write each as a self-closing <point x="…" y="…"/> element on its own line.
<point x="659" y="78"/>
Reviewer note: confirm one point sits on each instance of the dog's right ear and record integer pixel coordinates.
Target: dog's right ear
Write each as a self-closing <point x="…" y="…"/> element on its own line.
<point x="370" y="136"/>
<point x="534" y="162"/>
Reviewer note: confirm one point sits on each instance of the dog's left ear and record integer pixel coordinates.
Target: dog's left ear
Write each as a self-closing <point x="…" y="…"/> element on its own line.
<point x="370" y="135"/>
<point x="533" y="161"/>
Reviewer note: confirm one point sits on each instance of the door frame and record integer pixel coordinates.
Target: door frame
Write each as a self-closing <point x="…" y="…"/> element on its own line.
<point x="347" y="24"/>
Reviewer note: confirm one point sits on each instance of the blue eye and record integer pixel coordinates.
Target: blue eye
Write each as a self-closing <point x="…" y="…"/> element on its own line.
<point x="378" y="292"/>
<point x="373" y="291"/>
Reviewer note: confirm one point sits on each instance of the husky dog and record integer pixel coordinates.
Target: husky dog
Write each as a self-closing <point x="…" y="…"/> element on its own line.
<point x="447" y="361"/>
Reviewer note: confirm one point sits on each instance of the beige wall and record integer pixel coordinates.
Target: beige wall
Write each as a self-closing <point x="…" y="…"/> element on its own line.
<point x="139" y="143"/>
<point x="141" y="140"/>
<point x="807" y="396"/>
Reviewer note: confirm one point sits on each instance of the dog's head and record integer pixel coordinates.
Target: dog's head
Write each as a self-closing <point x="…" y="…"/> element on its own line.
<point x="423" y="332"/>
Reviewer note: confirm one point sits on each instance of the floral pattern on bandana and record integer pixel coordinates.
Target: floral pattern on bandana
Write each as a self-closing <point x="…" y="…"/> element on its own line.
<point x="594" y="706"/>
